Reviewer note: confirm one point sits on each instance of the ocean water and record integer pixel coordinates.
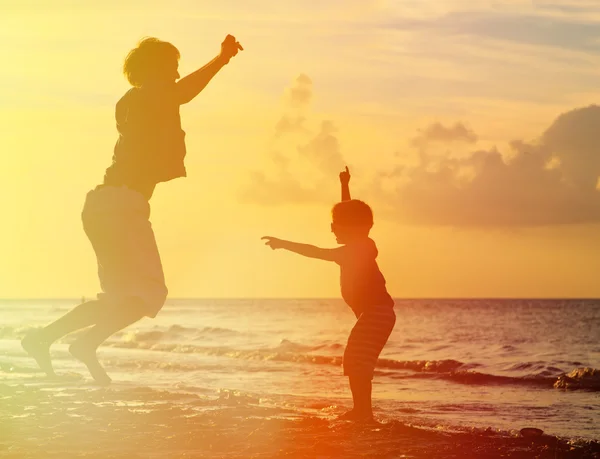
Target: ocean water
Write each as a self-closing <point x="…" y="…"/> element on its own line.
<point x="449" y="364"/>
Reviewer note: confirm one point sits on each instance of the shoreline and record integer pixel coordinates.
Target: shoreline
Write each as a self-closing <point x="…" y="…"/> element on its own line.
<point x="52" y="421"/>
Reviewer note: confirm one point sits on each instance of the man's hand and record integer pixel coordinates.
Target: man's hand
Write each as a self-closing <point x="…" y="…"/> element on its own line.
<point x="345" y="176"/>
<point x="191" y="85"/>
<point x="229" y="48"/>
<point x="273" y="242"/>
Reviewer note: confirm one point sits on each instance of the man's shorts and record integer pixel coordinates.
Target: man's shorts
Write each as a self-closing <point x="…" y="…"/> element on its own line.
<point x="366" y="340"/>
<point x="116" y="221"/>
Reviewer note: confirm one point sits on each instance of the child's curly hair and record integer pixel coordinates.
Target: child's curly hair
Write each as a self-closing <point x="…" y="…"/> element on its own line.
<point x="146" y="58"/>
<point x="354" y="213"/>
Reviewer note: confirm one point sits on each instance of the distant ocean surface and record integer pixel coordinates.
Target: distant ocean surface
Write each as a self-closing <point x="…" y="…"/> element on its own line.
<point x="450" y="364"/>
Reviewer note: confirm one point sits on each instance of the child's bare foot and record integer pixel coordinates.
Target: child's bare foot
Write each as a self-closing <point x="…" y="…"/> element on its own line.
<point x="347" y="416"/>
<point x="88" y="357"/>
<point x="357" y="416"/>
<point x="40" y="351"/>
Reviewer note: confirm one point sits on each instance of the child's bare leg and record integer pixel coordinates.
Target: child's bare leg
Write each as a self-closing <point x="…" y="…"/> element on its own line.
<point x="361" y="388"/>
<point x="84" y="348"/>
<point x="37" y="344"/>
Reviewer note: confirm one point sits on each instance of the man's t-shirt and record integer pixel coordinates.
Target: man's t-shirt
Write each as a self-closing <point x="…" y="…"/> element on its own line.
<point x="363" y="285"/>
<point x="151" y="144"/>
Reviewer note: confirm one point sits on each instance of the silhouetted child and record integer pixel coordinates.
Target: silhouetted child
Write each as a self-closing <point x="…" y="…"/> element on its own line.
<point x="150" y="149"/>
<point x="363" y="289"/>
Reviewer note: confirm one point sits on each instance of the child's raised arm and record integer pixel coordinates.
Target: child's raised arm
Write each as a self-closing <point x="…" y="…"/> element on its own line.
<point x="191" y="85"/>
<point x="307" y="250"/>
<point x="345" y="182"/>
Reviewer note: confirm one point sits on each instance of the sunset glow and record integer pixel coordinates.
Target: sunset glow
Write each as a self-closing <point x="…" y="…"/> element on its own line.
<point x="398" y="91"/>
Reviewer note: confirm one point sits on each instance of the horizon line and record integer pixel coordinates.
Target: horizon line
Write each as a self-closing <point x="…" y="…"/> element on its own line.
<point x="329" y="298"/>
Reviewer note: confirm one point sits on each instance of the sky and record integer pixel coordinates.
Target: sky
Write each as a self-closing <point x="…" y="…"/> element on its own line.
<point x="468" y="126"/>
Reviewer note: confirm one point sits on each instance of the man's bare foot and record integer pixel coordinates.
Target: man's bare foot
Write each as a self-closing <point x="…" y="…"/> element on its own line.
<point x="40" y="351"/>
<point x="88" y="357"/>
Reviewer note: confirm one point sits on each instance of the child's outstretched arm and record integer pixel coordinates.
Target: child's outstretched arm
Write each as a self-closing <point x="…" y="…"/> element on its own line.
<point x="307" y="250"/>
<point x="345" y="182"/>
<point x="191" y="85"/>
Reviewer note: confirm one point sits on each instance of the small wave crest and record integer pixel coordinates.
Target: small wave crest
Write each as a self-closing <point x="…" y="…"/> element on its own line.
<point x="538" y="368"/>
<point x="175" y="333"/>
<point x="580" y="378"/>
<point x="9" y="332"/>
<point x="433" y="366"/>
<point x="451" y="370"/>
<point x="288" y="351"/>
<point x="477" y="378"/>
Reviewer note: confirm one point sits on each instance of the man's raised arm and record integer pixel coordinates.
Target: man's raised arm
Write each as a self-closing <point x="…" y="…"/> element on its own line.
<point x="191" y="85"/>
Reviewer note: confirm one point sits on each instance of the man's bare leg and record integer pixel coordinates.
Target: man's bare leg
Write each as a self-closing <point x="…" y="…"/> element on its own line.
<point x="37" y="344"/>
<point x="84" y="349"/>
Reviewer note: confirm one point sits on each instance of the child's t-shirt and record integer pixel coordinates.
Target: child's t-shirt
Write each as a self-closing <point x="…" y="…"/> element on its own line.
<point x="363" y="285"/>
<point x="151" y="144"/>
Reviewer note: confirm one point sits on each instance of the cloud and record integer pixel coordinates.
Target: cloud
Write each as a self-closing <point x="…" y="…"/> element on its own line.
<point x="439" y="133"/>
<point x="528" y="29"/>
<point x="297" y="152"/>
<point x="282" y="190"/>
<point x="554" y="180"/>
<point x="300" y="94"/>
<point x="288" y="124"/>
<point x="573" y="140"/>
<point x="570" y="7"/>
<point x="550" y="182"/>
<point x="323" y="150"/>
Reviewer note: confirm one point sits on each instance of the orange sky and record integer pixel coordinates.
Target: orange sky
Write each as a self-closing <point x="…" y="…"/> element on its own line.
<point x="420" y="99"/>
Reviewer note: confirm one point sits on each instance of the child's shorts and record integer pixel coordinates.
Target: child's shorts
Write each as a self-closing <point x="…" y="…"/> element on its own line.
<point x="116" y="221"/>
<point x="367" y="339"/>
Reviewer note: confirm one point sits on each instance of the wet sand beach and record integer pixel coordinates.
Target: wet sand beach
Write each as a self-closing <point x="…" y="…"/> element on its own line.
<point x="53" y="421"/>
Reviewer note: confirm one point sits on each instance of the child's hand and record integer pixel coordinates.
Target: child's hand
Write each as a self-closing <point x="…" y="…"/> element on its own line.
<point x="273" y="242"/>
<point x="229" y="48"/>
<point x="345" y="176"/>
